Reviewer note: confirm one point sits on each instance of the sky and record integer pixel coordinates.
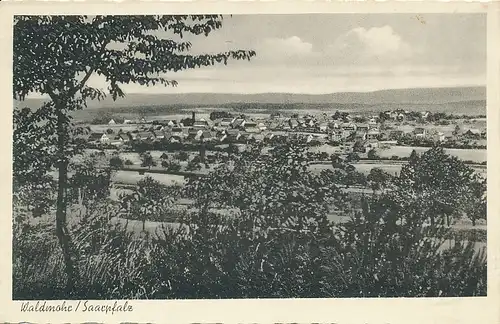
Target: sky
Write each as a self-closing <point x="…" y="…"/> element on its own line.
<point x="325" y="53"/>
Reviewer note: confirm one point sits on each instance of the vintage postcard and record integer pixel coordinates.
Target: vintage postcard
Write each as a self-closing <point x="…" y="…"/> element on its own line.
<point x="250" y="162"/>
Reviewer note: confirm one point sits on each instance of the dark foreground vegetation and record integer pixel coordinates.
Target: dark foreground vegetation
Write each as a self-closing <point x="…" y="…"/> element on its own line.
<point x="278" y="245"/>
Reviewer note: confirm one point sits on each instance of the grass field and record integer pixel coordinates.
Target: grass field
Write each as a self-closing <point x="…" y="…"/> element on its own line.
<point x="463" y="154"/>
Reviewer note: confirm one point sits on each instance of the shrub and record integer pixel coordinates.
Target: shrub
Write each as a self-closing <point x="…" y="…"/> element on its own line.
<point x="181" y="156"/>
<point x="372" y="155"/>
<point x="116" y="162"/>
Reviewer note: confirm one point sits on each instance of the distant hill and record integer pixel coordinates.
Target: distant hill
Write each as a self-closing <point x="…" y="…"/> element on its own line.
<point x="416" y="96"/>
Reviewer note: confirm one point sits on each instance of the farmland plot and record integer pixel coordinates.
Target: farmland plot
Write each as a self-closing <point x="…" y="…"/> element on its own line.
<point x="475" y="155"/>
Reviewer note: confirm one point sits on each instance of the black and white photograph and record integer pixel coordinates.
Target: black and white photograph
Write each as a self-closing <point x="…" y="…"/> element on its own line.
<point x="245" y="156"/>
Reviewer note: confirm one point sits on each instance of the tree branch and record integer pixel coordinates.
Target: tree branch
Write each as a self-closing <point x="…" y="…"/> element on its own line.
<point x="89" y="72"/>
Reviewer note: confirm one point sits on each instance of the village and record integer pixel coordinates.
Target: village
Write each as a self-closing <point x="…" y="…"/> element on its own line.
<point x="346" y="132"/>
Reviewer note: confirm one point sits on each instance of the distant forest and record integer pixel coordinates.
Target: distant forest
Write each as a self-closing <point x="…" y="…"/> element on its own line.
<point x="472" y="107"/>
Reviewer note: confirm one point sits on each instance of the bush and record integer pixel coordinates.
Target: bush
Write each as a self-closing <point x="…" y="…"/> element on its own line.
<point x="280" y="245"/>
<point x="181" y="156"/>
<point x="116" y="162"/>
<point x="372" y="155"/>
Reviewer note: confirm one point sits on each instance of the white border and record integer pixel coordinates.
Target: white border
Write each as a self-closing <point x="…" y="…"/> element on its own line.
<point x="482" y="310"/>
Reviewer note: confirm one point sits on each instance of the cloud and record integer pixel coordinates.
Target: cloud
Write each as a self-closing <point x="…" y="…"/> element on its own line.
<point x="277" y="49"/>
<point x="376" y="44"/>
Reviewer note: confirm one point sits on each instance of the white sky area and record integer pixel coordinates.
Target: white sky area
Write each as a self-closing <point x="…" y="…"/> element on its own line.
<point x="325" y="53"/>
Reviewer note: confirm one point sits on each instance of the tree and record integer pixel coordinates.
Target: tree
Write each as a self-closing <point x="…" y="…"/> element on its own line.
<point x="88" y="184"/>
<point x="149" y="201"/>
<point x="116" y="162"/>
<point x="147" y="160"/>
<point x="441" y="185"/>
<point x="57" y="55"/>
<point x="220" y="114"/>
<point x="372" y="155"/>
<point x="358" y="147"/>
<point x="378" y="178"/>
<point x="271" y="192"/>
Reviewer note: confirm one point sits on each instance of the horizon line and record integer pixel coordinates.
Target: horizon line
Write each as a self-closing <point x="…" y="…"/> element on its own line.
<point x="32" y="96"/>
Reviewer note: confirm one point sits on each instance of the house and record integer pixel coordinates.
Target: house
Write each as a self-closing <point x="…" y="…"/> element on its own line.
<point x="425" y="115"/>
<point x="348" y="127"/>
<point x="251" y="127"/>
<point x="226" y="122"/>
<point x="419" y="132"/>
<point x="221" y="136"/>
<point x="275" y="115"/>
<point x="347" y="133"/>
<point x="177" y="132"/>
<point x="373" y="134"/>
<point x="158" y="134"/>
<point x="372" y="121"/>
<point x="262" y="126"/>
<point x="309" y="122"/>
<point x="174" y="139"/>
<point x="439" y="137"/>
<point x="233" y="135"/>
<point x="293" y="123"/>
<point x="122" y="137"/>
<point x="362" y="127"/>
<point x="359" y="136"/>
<point x="274" y="125"/>
<point x="145" y="136"/>
<point x="207" y="136"/>
<point x="334" y="125"/>
<point x="194" y="134"/>
<point x="238" y="123"/>
<point x="472" y="133"/>
<point x="99" y="138"/>
<point x="133" y="135"/>
<point x="309" y="138"/>
<point x="323" y="127"/>
<point x="335" y="136"/>
<point x="112" y="122"/>
<point x="127" y="121"/>
<point x="142" y="121"/>
<point x="200" y="124"/>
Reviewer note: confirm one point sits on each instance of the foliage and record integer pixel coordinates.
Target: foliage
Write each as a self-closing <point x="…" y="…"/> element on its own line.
<point x="375" y="255"/>
<point x="88" y="184"/>
<point x="116" y="162"/>
<point x="385" y="250"/>
<point x="57" y="55"/>
<point x="445" y="186"/>
<point x="275" y="191"/>
<point x="219" y="115"/>
<point x="147" y="160"/>
<point x="181" y="156"/>
<point x="378" y="178"/>
<point x="372" y="155"/>
<point x="149" y="201"/>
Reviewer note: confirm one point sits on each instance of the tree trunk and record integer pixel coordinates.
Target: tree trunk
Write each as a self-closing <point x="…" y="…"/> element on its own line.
<point x="61" y="228"/>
